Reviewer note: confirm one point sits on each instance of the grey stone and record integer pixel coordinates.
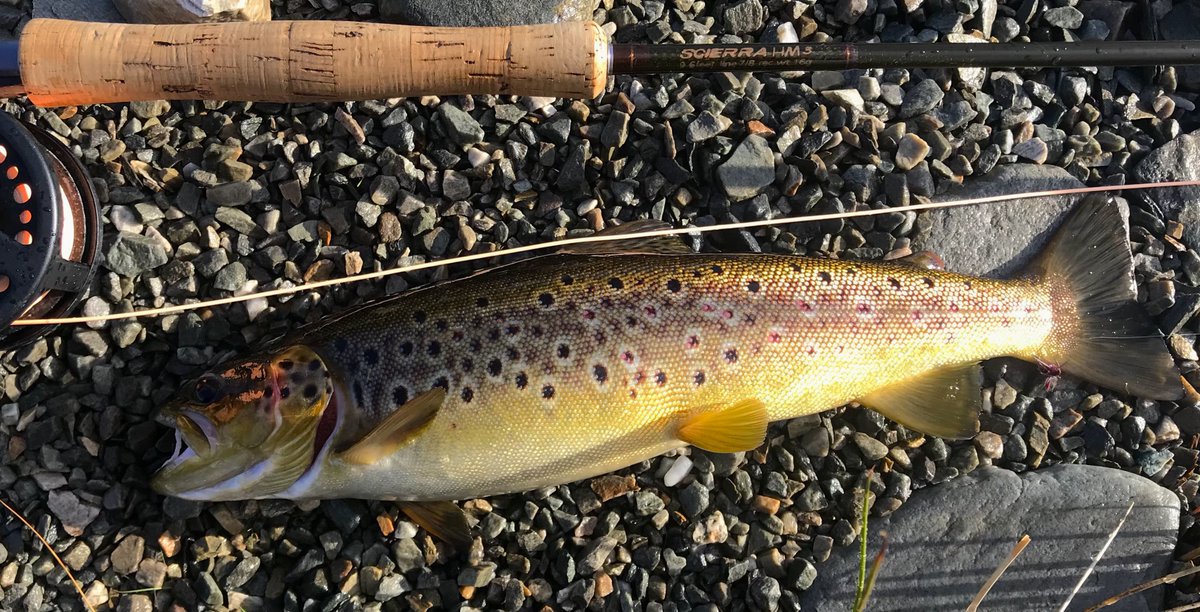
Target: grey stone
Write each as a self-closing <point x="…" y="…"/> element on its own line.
<point x="946" y="540"/>
<point x="1177" y="160"/>
<point x="1067" y="17"/>
<point x="744" y="17"/>
<point x="749" y="170"/>
<point x="1015" y="231"/>
<point x="460" y="125"/>
<point x="132" y="254"/>
<point x="922" y="97"/>
<point x="79" y="10"/>
<point x="74" y="513"/>
<point x="229" y="194"/>
<point x="484" y="12"/>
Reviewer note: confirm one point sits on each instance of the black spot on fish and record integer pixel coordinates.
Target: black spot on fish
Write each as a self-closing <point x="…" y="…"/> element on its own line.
<point x="456" y="335"/>
<point x="400" y="395"/>
<point x="660" y="378"/>
<point x="749" y="319"/>
<point x="435" y="348"/>
<point x="851" y="271"/>
<point x="928" y="282"/>
<point x="493" y="367"/>
<point x="310" y="391"/>
<point x="522" y="380"/>
<point x="893" y="282"/>
<point x="512" y="354"/>
<point x="285" y="392"/>
<point x="286" y="364"/>
<point x="674" y="285"/>
<point x="731" y="355"/>
<point x="967" y="284"/>
<point x="352" y="366"/>
<point x="494" y="334"/>
<point x="547" y="391"/>
<point x="717" y="269"/>
<point x="567" y="279"/>
<point x="441" y="325"/>
<point x="358" y="393"/>
<point x="753" y="286"/>
<point x="825" y="277"/>
<point x="512" y="329"/>
<point x="564" y="351"/>
<point x="314" y="365"/>
<point x="537" y="331"/>
<point x="481" y="302"/>
<point x="341" y="344"/>
<point x="442" y="382"/>
<point x="600" y="373"/>
<point x="420" y="316"/>
<point x="468" y="364"/>
<point x="631" y="321"/>
<point x="546" y="300"/>
<point x="698" y="377"/>
<point x="797" y="268"/>
<point x="616" y="283"/>
<point x="297" y="378"/>
<point x="467" y="394"/>
<point x="476" y="345"/>
<point x="406" y="348"/>
<point x="371" y="356"/>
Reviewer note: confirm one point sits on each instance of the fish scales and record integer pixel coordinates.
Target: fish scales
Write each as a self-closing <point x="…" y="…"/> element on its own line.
<point x="566" y="366"/>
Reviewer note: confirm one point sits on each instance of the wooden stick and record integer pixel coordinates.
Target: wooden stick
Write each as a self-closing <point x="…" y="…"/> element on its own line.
<point x="66" y="62"/>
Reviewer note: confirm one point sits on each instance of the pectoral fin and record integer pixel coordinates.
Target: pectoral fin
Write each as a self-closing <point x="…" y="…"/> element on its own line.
<point x="657" y="244"/>
<point x="926" y="260"/>
<point x="397" y="429"/>
<point x="442" y="519"/>
<point x="944" y="403"/>
<point x="738" y="427"/>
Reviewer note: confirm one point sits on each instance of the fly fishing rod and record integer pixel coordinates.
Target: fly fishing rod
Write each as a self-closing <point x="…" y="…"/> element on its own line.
<point x="58" y="62"/>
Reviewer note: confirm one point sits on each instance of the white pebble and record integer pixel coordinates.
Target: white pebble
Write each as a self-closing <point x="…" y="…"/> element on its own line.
<point x="787" y="33"/>
<point x="678" y="470"/>
<point x="477" y="157"/>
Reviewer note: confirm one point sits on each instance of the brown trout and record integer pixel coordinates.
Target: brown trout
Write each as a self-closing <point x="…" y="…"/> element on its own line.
<point x="575" y="364"/>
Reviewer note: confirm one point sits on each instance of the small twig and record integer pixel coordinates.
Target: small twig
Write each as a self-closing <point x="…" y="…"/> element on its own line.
<point x="1168" y="579"/>
<point x="1016" y="551"/>
<point x="860" y="593"/>
<point x="50" y="548"/>
<point x="1103" y="549"/>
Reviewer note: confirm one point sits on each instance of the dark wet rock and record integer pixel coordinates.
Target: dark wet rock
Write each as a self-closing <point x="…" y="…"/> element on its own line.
<point x="966" y="527"/>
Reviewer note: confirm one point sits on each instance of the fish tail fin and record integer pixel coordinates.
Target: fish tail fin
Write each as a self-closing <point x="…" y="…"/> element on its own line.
<point x="1101" y="333"/>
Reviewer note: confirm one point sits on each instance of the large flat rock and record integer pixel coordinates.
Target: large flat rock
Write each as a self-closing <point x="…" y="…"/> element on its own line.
<point x="946" y="540"/>
<point x="998" y="239"/>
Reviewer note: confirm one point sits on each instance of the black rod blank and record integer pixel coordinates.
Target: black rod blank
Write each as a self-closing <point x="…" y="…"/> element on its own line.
<point x="652" y="59"/>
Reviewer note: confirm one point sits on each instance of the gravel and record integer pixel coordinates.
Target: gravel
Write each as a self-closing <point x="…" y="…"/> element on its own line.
<point x="203" y="199"/>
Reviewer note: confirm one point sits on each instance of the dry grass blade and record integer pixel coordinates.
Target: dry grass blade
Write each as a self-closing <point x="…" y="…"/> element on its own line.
<point x="1191" y="606"/>
<point x="50" y="548"/>
<point x="1095" y="560"/>
<point x="1168" y="579"/>
<point x="587" y="239"/>
<point x="1016" y="551"/>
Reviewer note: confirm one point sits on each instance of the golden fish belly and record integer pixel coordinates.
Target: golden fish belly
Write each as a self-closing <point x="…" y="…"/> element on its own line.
<point x="566" y="367"/>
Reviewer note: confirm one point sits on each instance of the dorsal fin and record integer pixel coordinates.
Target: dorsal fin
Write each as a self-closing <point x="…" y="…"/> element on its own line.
<point x="657" y="244"/>
<point x="397" y="429"/>
<point x="943" y="403"/>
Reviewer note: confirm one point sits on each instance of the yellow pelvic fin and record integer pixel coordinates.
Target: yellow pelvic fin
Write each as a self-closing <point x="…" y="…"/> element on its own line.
<point x="442" y="519"/>
<point x="659" y="244"/>
<point x="943" y="403"/>
<point x="397" y="429"/>
<point x="738" y="427"/>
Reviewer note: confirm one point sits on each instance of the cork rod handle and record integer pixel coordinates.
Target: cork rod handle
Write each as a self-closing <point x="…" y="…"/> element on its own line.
<point x="66" y="62"/>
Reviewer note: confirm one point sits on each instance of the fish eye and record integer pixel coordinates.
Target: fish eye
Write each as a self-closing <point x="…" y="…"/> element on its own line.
<point x="208" y="389"/>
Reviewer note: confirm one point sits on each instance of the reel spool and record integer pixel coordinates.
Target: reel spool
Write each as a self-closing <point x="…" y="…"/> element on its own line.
<point x="49" y="230"/>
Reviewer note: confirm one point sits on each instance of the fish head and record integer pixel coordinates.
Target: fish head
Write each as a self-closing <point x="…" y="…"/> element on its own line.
<point x="250" y="428"/>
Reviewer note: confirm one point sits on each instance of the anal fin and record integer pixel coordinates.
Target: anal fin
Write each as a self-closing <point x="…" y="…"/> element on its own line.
<point x="397" y="429"/>
<point x="442" y="519"/>
<point x="943" y="403"/>
<point x="741" y="426"/>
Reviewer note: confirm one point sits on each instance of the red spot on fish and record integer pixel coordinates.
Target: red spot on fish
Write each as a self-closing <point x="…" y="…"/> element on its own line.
<point x="627" y="356"/>
<point x="953" y="307"/>
<point x="726" y="314"/>
<point x="651" y="311"/>
<point x="804" y="306"/>
<point x="707" y="307"/>
<point x="693" y="342"/>
<point x="774" y="337"/>
<point x="916" y="315"/>
<point x="589" y="314"/>
<point x="811" y="350"/>
<point x="863" y="308"/>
